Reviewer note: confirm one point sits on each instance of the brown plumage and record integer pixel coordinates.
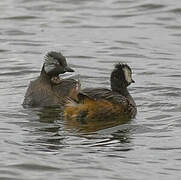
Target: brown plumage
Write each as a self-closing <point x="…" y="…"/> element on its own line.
<point x="101" y="103"/>
<point x="48" y="89"/>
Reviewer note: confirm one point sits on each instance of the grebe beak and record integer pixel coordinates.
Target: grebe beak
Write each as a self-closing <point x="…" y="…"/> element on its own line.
<point x="68" y="69"/>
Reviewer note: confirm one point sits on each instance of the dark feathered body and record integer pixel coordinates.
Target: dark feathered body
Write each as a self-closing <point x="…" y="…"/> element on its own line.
<point x="43" y="93"/>
<point x="100" y="104"/>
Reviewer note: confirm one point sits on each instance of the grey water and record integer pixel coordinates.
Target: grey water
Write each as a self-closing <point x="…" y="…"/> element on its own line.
<point x="37" y="144"/>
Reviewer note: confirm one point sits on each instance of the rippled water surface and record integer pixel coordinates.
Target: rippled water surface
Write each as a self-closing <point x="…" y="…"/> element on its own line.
<point x="93" y="35"/>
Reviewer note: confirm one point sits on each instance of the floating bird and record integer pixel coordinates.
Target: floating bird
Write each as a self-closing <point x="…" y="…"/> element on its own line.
<point x="100" y="104"/>
<point x="49" y="89"/>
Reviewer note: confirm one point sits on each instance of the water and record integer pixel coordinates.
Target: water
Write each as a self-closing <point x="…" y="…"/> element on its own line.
<point x="93" y="35"/>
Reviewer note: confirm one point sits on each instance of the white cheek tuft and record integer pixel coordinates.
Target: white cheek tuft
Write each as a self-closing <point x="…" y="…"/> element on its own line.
<point x="50" y="64"/>
<point x="127" y="74"/>
<point x="49" y="68"/>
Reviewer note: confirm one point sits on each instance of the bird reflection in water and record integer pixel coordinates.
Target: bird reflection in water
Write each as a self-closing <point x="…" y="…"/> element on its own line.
<point x="52" y="115"/>
<point x="94" y="125"/>
<point x="52" y="132"/>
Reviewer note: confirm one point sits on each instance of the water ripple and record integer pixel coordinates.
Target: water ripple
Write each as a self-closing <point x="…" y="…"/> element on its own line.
<point x="19" y="18"/>
<point x="93" y="35"/>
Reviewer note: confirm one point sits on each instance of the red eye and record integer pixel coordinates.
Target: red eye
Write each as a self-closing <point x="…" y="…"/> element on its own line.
<point x="57" y="64"/>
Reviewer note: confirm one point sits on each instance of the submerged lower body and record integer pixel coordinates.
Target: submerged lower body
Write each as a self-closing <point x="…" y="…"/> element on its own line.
<point x="92" y="115"/>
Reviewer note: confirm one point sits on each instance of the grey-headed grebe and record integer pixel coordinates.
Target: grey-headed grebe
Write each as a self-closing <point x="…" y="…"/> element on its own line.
<point x="48" y="89"/>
